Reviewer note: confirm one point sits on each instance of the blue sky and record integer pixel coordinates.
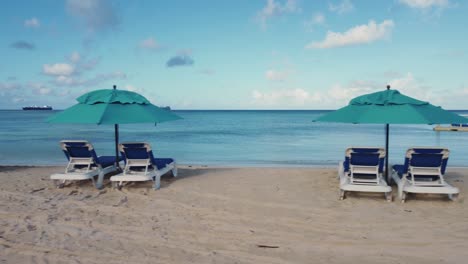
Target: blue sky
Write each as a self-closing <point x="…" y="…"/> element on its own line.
<point x="245" y="54"/>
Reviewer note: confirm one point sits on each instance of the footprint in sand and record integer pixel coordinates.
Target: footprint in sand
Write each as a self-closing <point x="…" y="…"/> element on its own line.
<point x="123" y="201"/>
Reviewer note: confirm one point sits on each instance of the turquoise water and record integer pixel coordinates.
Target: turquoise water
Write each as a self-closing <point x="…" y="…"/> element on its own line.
<point x="232" y="138"/>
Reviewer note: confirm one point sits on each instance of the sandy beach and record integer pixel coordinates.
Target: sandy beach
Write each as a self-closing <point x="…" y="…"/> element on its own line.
<point x="225" y="215"/>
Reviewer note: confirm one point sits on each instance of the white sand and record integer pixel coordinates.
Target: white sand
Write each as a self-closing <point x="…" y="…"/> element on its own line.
<point x="221" y="216"/>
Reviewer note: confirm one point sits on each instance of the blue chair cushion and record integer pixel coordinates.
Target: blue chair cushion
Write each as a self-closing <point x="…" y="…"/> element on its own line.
<point x="139" y="151"/>
<point x="346" y="164"/>
<point x="365" y="150"/>
<point x="136" y="151"/>
<point x="364" y="159"/>
<point x="78" y="152"/>
<point x="426" y="160"/>
<point x="106" y="161"/>
<point x="435" y="151"/>
<point x="364" y="176"/>
<point x="400" y="169"/>
<point x="163" y="162"/>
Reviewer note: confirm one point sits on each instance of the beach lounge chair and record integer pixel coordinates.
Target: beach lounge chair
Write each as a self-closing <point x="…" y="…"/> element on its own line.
<point x="423" y="172"/>
<point x="362" y="172"/>
<point x="140" y="165"/>
<point x="83" y="164"/>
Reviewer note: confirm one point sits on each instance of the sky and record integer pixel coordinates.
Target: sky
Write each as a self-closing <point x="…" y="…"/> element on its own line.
<point x="243" y="54"/>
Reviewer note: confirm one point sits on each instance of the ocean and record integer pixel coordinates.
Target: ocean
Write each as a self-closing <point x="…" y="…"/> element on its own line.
<point x="223" y="138"/>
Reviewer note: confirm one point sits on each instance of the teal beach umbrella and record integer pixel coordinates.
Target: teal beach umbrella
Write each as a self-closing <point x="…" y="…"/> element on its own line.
<point x="390" y="107"/>
<point x="113" y="107"/>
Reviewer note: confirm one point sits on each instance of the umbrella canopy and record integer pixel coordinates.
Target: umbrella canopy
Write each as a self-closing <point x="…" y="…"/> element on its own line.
<point x="390" y="107"/>
<point x="113" y="107"/>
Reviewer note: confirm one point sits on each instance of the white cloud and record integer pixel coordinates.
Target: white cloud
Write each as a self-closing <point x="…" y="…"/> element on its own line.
<point x="338" y="95"/>
<point x="357" y="35"/>
<point x="274" y="75"/>
<point x="344" y="6"/>
<point x="334" y="97"/>
<point x="317" y="19"/>
<point x="414" y="88"/>
<point x="9" y="91"/>
<point x="56" y="69"/>
<point x="283" y="98"/>
<point x="131" y="88"/>
<point x="63" y="80"/>
<point x="274" y="8"/>
<point x="44" y="91"/>
<point x="8" y="86"/>
<point x="75" y="57"/>
<point x="40" y="88"/>
<point x="144" y="92"/>
<point x="149" y="44"/>
<point x="425" y="4"/>
<point x="32" y="23"/>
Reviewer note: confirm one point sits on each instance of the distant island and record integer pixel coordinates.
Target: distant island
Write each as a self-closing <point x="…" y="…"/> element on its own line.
<point x="35" y="107"/>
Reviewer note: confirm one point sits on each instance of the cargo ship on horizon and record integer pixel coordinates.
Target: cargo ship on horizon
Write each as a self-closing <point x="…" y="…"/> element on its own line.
<point x="35" y="107"/>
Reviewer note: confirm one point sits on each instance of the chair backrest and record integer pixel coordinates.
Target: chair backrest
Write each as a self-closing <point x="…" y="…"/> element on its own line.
<point x="136" y="151"/>
<point x="78" y="149"/>
<point x="428" y="157"/>
<point x="364" y="156"/>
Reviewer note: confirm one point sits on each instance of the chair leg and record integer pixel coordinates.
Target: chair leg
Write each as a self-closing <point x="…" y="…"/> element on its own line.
<point x="453" y="197"/>
<point x="99" y="184"/>
<point x="388" y="196"/>
<point x="403" y="197"/>
<point x="390" y="178"/>
<point x="157" y="182"/>
<point x="342" y="194"/>
<point x="400" y="190"/>
<point x="116" y="185"/>
<point x="59" y="184"/>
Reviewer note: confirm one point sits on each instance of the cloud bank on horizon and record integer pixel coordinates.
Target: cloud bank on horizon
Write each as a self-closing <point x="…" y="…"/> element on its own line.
<point x="269" y="54"/>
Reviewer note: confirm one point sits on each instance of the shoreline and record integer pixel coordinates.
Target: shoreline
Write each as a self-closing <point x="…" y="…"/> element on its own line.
<point x="201" y="166"/>
<point x="208" y="166"/>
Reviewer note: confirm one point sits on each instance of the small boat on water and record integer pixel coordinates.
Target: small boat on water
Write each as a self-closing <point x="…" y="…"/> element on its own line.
<point x="452" y="127"/>
<point x="35" y="107"/>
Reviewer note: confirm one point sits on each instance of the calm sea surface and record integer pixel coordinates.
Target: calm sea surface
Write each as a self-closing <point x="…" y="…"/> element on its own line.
<point x="232" y="138"/>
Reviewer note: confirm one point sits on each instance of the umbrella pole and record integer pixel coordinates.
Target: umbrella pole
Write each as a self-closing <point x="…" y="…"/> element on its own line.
<point x="387" y="128"/>
<point x="116" y="128"/>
